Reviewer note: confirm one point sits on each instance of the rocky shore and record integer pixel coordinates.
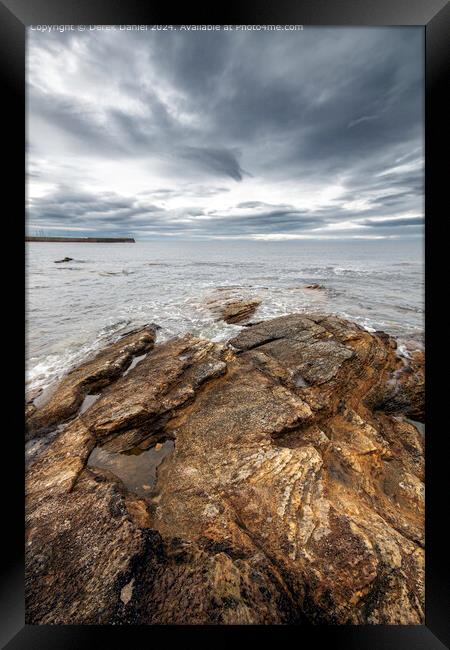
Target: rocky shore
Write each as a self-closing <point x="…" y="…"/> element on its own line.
<point x="291" y="492"/>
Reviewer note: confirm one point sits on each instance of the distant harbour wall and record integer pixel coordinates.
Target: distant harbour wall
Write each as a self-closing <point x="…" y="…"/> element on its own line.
<point x="90" y="240"/>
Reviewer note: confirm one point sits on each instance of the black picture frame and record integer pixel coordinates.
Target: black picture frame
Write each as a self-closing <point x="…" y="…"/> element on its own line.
<point x="15" y="16"/>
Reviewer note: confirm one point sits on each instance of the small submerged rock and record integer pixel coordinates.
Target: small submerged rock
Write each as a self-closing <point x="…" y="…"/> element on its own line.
<point x="314" y="286"/>
<point x="65" y="259"/>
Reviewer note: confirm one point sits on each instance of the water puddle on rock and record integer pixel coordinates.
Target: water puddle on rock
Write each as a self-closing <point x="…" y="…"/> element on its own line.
<point x="44" y="395"/>
<point x="419" y="425"/>
<point x="88" y="401"/>
<point x="136" y="468"/>
<point x="134" y="363"/>
<point x="300" y="382"/>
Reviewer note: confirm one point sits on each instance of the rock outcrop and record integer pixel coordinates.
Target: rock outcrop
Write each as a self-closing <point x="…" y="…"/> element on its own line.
<point x="293" y="494"/>
<point x="231" y="306"/>
<point x="95" y="374"/>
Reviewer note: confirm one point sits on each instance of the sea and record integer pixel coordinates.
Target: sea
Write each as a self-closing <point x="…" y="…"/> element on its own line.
<point x="74" y="308"/>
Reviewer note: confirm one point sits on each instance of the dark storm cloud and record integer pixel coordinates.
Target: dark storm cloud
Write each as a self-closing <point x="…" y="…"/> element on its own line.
<point x="66" y="208"/>
<point x="322" y="107"/>
<point x="222" y="161"/>
<point x="394" y="223"/>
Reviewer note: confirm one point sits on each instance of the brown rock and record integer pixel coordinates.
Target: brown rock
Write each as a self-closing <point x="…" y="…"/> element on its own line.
<point x="81" y="546"/>
<point x="294" y="493"/>
<point x="232" y="307"/>
<point x="138" y="405"/>
<point x="93" y="375"/>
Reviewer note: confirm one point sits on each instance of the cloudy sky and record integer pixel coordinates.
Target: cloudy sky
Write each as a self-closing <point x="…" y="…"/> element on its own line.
<point x="252" y="135"/>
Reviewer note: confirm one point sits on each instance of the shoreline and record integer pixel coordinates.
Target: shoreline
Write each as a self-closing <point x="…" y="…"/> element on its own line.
<point x="407" y="341"/>
<point x="110" y="285"/>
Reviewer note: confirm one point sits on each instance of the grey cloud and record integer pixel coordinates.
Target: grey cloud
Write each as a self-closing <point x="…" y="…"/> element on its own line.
<point x="222" y="161"/>
<point x="260" y="204"/>
<point x="110" y="213"/>
<point x="324" y="106"/>
<point x="68" y="207"/>
<point x="360" y="120"/>
<point x="184" y="192"/>
<point x="394" y="223"/>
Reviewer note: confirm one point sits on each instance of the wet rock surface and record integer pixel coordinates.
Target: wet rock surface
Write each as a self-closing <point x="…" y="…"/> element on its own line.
<point x="231" y="306"/>
<point x="293" y="494"/>
<point x="104" y="368"/>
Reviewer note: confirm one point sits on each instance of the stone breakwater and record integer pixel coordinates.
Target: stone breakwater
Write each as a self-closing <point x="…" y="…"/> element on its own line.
<point x="293" y="492"/>
<point x="84" y="240"/>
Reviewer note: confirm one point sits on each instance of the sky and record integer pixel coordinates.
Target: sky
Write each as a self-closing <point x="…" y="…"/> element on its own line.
<point x="313" y="134"/>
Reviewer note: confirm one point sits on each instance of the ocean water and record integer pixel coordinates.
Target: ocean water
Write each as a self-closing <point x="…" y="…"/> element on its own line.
<point x="74" y="308"/>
